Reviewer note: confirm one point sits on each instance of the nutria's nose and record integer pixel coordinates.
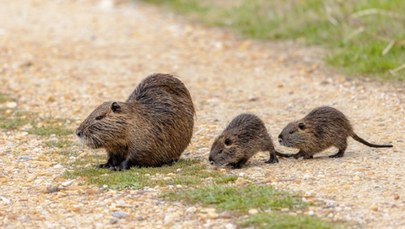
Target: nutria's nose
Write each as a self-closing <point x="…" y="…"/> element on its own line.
<point x="210" y="160"/>
<point x="78" y="133"/>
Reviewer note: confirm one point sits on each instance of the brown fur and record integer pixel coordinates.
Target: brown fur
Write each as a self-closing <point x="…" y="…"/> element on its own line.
<point x="153" y="127"/>
<point x="322" y="128"/>
<point x="243" y="137"/>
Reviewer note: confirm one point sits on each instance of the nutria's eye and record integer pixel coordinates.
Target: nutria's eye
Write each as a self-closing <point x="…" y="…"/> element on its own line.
<point x="100" y="117"/>
<point x="291" y="132"/>
<point x="301" y="125"/>
<point x="228" y="142"/>
<point x="115" y="107"/>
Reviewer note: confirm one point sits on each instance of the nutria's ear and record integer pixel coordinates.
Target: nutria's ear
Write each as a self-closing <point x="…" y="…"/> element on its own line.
<point x="301" y="125"/>
<point x="115" y="107"/>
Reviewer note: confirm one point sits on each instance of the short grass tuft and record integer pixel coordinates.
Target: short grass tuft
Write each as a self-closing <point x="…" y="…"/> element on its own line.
<point x="183" y="6"/>
<point x="183" y="172"/>
<point x="5" y="98"/>
<point x="14" y="119"/>
<point x="51" y="127"/>
<point x="284" y="221"/>
<point x="239" y="199"/>
<point x="61" y="143"/>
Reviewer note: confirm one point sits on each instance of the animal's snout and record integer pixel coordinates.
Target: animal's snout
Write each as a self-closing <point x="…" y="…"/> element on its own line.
<point x="79" y="133"/>
<point x="280" y="138"/>
<point x="210" y="160"/>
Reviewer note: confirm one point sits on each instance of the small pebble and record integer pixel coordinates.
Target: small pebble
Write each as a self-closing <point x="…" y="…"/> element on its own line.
<point x="11" y="105"/>
<point x="113" y="220"/>
<point x="58" y="166"/>
<point x="5" y="200"/>
<point x="191" y="210"/>
<point x="330" y="204"/>
<point x="52" y="189"/>
<point x="374" y="207"/>
<point x="230" y="226"/>
<point x="67" y="183"/>
<point x="253" y="211"/>
<point x="119" y="214"/>
<point x="24" y="158"/>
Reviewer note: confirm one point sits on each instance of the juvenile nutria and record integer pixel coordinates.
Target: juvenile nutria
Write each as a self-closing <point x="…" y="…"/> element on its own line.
<point x="243" y="137"/>
<point x="153" y="127"/>
<point x="322" y="128"/>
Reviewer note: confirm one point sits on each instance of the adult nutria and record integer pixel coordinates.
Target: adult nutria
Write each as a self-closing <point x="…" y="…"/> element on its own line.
<point x="152" y="128"/>
<point x="322" y="128"/>
<point x="242" y="138"/>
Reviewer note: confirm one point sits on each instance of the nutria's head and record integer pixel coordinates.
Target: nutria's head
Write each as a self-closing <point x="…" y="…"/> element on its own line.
<point x="225" y="150"/>
<point x="105" y="126"/>
<point x="294" y="135"/>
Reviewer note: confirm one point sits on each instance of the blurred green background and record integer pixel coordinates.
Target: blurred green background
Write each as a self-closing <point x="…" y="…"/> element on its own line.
<point x="362" y="37"/>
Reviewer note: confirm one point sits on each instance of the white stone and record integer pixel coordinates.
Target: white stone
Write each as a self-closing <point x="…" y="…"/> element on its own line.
<point x="230" y="226"/>
<point x="11" y="105"/>
<point x="67" y="183"/>
<point x="253" y="211"/>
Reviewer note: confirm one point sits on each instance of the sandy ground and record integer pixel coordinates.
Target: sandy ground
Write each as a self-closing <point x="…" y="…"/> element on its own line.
<point x="62" y="58"/>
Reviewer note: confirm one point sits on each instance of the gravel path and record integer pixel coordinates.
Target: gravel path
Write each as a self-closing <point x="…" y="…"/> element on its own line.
<point x="62" y="58"/>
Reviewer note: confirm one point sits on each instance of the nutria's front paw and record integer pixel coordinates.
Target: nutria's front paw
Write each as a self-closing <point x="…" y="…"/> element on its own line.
<point x="122" y="167"/>
<point x="235" y="165"/>
<point x="103" y="166"/>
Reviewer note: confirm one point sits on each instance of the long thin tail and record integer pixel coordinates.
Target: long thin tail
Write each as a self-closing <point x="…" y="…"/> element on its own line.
<point x="284" y="155"/>
<point x="359" y="139"/>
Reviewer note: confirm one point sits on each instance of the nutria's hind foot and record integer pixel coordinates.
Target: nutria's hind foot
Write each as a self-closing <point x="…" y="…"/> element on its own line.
<point x="272" y="160"/>
<point x="338" y="154"/>
<point x="299" y="154"/>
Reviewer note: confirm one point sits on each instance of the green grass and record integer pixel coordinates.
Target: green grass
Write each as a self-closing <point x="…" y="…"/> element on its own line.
<point x="267" y="200"/>
<point x="183" y="6"/>
<point x="51" y="127"/>
<point x="5" y="98"/>
<point x="239" y="199"/>
<point x="183" y="172"/>
<point x="284" y="221"/>
<point x="14" y="119"/>
<point x="355" y="32"/>
<point x="61" y="143"/>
